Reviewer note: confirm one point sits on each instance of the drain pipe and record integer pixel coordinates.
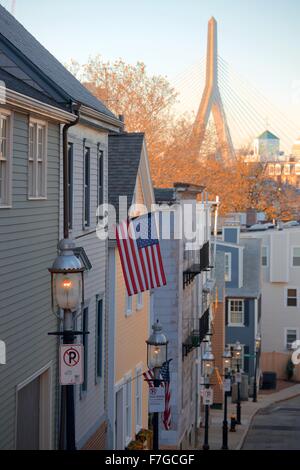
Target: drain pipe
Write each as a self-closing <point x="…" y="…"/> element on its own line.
<point x="66" y="172"/>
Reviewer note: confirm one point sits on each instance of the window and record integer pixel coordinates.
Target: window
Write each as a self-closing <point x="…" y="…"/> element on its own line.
<point x="37" y="160"/>
<point x="128" y="399"/>
<point x="5" y="160"/>
<point x="128" y="307"/>
<point x="296" y="256"/>
<point x="70" y="183"/>
<point x="138" y="399"/>
<point x="99" y="343"/>
<point x="227" y="267"/>
<point x="291" y="335"/>
<point x="236" y="312"/>
<point x="287" y="169"/>
<point x="100" y="177"/>
<point x="87" y="177"/>
<point x="85" y="315"/>
<point x="264" y="256"/>
<point x="139" y="304"/>
<point x="297" y="168"/>
<point x="291" y="298"/>
<point x="271" y="170"/>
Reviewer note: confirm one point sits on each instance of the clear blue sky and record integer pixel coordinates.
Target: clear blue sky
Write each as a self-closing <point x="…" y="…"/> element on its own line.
<point x="259" y="38"/>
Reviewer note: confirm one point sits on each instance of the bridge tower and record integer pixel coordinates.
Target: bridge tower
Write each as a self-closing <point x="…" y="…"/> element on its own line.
<point x="211" y="101"/>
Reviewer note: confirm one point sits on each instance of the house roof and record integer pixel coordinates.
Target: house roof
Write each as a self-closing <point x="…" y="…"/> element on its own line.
<point x="268" y="135"/>
<point x="124" y="156"/>
<point x="18" y="37"/>
<point x="165" y="194"/>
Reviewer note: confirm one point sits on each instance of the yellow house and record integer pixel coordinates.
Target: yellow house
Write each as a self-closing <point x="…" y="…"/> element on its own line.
<point x="128" y="317"/>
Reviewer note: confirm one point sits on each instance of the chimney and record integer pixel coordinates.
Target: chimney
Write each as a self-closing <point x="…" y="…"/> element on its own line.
<point x="251" y="217"/>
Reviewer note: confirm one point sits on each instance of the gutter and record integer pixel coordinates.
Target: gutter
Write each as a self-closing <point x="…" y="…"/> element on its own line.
<point x="102" y="116"/>
<point x="66" y="170"/>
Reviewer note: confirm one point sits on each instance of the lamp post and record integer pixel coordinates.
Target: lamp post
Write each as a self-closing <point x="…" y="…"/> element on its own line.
<point x="157" y="354"/>
<point x="227" y="366"/>
<point x="257" y="353"/>
<point x="208" y="360"/>
<point x="67" y="293"/>
<point x="237" y="352"/>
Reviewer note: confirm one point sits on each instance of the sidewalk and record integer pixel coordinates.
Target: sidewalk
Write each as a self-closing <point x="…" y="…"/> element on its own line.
<point x="248" y="410"/>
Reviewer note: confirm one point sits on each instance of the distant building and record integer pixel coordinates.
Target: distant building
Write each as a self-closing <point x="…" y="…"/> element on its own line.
<point x="242" y="292"/>
<point x="267" y="147"/>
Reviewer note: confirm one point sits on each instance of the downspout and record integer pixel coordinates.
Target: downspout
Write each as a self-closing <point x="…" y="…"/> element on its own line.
<point x="66" y="173"/>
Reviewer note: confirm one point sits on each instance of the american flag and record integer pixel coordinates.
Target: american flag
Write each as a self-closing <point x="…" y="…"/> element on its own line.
<point x="140" y="255"/>
<point x="165" y="378"/>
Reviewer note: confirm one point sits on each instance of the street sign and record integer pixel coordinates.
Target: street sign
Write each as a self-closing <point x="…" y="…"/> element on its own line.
<point x="238" y="377"/>
<point x="208" y="396"/>
<point x="227" y="385"/>
<point x="156" y="399"/>
<point x="2" y="352"/>
<point x="71" y="364"/>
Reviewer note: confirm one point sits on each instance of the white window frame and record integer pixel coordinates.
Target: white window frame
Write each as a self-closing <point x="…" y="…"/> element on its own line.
<point x="230" y="323"/>
<point x="286" y="297"/>
<point x="138" y="399"/>
<point x="286" y="329"/>
<point x="228" y="255"/>
<point x="292" y="256"/>
<point x="35" y="188"/>
<point x="266" y="256"/>
<point x="128" y="304"/>
<point x="128" y="407"/>
<point x="139" y="301"/>
<point x="7" y="192"/>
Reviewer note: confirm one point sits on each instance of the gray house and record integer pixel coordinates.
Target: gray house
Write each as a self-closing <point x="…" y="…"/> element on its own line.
<point x="242" y="292"/>
<point x="37" y="99"/>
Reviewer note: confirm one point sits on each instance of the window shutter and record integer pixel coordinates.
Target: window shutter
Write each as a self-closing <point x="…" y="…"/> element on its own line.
<point x="246" y="312"/>
<point x="246" y="359"/>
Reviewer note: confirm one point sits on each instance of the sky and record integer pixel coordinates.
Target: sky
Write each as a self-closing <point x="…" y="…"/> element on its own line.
<point x="259" y="38"/>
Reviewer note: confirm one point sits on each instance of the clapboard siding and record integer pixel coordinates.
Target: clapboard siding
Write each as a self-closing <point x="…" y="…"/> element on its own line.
<point x="28" y="245"/>
<point x="90" y="407"/>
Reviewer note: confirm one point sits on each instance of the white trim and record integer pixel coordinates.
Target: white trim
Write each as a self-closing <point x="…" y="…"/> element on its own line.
<point x="240" y="325"/>
<point x="127" y="382"/>
<point x="139" y="305"/>
<point x="38" y="124"/>
<point x="286" y="297"/>
<point x="9" y="158"/>
<point x="285" y="335"/>
<point x="128" y="311"/>
<point x="138" y="379"/>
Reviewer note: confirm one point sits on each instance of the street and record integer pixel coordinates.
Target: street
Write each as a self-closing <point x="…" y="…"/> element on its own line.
<point x="276" y="427"/>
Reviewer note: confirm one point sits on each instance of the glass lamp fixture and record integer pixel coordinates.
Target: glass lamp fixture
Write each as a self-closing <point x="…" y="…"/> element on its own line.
<point x="67" y="281"/>
<point x="157" y="347"/>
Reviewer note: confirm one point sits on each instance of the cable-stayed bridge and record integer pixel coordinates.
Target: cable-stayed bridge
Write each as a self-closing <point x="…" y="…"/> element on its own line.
<point x="212" y="89"/>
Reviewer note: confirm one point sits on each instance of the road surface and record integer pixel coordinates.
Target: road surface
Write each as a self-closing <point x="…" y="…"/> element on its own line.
<point x="276" y="427"/>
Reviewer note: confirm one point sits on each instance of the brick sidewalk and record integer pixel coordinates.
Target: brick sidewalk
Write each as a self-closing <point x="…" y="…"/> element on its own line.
<point x="249" y="409"/>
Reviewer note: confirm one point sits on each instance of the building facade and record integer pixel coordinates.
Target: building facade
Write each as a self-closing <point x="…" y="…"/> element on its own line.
<point x="128" y="316"/>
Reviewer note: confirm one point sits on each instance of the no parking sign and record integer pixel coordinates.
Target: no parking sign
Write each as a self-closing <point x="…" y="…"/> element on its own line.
<point x="71" y="364"/>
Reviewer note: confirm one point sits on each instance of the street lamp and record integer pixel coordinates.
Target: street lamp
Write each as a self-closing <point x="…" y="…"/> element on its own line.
<point x="257" y="353"/>
<point x="208" y="361"/>
<point x="237" y="354"/>
<point x="157" y="355"/>
<point x="67" y="293"/>
<point x="227" y="384"/>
